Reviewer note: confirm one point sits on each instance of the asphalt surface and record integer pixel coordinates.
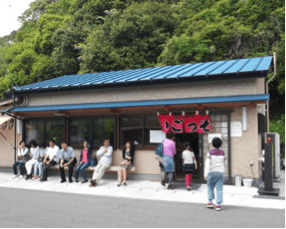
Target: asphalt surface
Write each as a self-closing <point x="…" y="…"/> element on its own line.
<point x="28" y="208"/>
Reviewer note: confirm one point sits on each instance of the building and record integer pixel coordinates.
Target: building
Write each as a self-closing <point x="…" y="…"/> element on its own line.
<point x="123" y="105"/>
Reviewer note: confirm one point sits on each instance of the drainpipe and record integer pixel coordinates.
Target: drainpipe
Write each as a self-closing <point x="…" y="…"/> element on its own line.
<point x="274" y="61"/>
<point x="15" y="135"/>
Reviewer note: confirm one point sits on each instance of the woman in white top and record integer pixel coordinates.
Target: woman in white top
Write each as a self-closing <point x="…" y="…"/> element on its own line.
<point x="39" y="164"/>
<point x="35" y="151"/>
<point x="189" y="164"/>
<point x="21" y="160"/>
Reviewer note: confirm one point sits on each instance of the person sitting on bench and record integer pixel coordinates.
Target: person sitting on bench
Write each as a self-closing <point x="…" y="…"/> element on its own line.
<point x="22" y="158"/>
<point x="126" y="164"/>
<point x="52" y="158"/>
<point x="105" y="154"/>
<point x="68" y="158"/>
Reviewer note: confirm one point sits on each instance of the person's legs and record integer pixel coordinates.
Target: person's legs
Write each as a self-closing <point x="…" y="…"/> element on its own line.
<point x="36" y="168"/>
<point x="190" y="178"/>
<point x="187" y="180"/>
<point x="28" y="166"/>
<point x="77" y="171"/>
<point x="71" y="166"/>
<point x="124" y="175"/>
<point x="46" y="170"/>
<point x="82" y="170"/>
<point x="21" y="168"/>
<point x="211" y="184"/>
<point x="219" y="187"/>
<point x="15" y="167"/>
<point x="165" y="175"/>
<point x="62" y="172"/>
<point x="120" y="174"/>
<point x="96" y="171"/>
<point x="40" y="165"/>
<point x="102" y="171"/>
<point x="171" y="177"/>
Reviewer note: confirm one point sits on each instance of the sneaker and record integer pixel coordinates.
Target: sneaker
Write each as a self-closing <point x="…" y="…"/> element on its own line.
<point x="39" y="177"/>
<point x="14" y="176"/>
<point x="209" y="205"/>
<point x="34" y="177"/>
<point x="84" y="181"/>
<point x="62" y="181"/>
<point x="76" y="180"/>
<point x="217" y="208"/>
<point x="21" y="176"/>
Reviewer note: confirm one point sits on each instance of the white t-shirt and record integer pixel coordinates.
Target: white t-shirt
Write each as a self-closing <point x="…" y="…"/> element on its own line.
<point x="54" y="152"/>
<point x="189" y="157"/>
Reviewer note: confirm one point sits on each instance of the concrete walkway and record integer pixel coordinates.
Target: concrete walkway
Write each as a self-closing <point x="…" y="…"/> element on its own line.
<point x="148" y="190"/>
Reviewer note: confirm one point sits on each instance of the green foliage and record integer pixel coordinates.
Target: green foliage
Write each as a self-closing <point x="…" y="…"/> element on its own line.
<point x="278" y="126"/>
<point x="60" y="37"/>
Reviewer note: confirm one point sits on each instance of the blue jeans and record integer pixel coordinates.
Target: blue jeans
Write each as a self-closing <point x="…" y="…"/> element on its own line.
<point x="40" y="165"/>
<point x="20" y="164"/>
<point x="81" y="168"/>
<point x="215" y="179"/>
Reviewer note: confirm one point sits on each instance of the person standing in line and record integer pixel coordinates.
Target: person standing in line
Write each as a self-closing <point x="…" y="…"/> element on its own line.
<point x="35" y="152"/>
<point x="127" y="163"/>
<point x="39" y="164"/>
<point x="105" y="154"/>
<point x="169" y="150"/>
<point x="214" y="173"/>
<point x="52" y="158"/>
<point x="84" y="162"/>
<point x="189" y="164"/>
<point x="68" y="158"/>
<point x="22" y="157"/>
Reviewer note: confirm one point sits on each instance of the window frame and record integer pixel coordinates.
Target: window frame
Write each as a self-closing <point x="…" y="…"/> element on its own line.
<point x="44" y="120"/>
<point x="143" y="146"/>
<point x="90" y="129"/>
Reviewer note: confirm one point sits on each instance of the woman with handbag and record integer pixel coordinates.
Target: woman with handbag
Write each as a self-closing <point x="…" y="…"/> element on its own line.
<point x="189" y="164"/>
<point x="126" y="164"/>
<point x="169" y="150"/>
<point x="84" y="162"/>
<point x="22" y="158"/>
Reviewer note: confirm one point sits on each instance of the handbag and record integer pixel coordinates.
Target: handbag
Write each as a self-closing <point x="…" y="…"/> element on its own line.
<point x="189" y="168"/>
<point x="159" y="150"/>
<point x="93" y="162"/>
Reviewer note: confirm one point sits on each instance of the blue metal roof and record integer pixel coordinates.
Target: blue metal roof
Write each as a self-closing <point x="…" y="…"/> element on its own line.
<point x="241" y="66"/>
<point x="166" y="102"/>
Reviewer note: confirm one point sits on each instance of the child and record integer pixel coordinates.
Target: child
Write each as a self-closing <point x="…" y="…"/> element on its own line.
<point x="39" y="164"/>
<point x="189" y="164"/>
<point x="214" y="173"/>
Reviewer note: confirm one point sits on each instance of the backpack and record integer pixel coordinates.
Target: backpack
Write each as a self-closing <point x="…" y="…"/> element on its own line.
<point x="159" y="150"/>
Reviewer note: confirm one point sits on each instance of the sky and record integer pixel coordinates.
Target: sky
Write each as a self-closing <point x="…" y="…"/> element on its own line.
<point x="10" y="10"/>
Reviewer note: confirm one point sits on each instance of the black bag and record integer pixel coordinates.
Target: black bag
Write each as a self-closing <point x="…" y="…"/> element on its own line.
<point x="189" y="168"/>
<point x="93" y="162"/>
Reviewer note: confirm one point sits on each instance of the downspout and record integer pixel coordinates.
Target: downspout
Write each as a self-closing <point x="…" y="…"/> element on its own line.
<point x="274" y="61"/>
<point x="15" y="123"/>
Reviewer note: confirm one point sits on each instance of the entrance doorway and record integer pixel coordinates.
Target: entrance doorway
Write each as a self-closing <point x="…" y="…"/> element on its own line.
<point x="193" y="139"/>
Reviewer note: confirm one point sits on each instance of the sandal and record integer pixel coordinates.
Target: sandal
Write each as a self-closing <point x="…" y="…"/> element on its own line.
<point x="124" y="183"/>
<point x="118" y="184"/>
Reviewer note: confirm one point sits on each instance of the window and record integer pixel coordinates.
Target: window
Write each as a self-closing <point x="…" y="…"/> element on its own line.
<point x="102" y="128"/>
<point x="34" y="130"/>
<point x="93" y="130"/>
<point x="42" y="130"/>
<point x="131" y="130"/>
<point x="137" y="129"/>
<point x="79" y="132"/>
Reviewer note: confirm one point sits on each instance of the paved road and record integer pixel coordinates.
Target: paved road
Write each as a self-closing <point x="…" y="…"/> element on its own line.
<point x="27" y="208"/>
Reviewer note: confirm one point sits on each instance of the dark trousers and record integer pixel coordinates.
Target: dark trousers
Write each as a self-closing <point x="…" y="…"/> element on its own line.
<point x="71" y="166"/>
<point x="46" y="169"/>
<point x="20" y="165"/>
<point x="81" y="167"/>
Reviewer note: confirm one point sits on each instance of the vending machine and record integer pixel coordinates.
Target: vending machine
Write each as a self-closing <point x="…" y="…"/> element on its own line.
<point x="275" y="137"/>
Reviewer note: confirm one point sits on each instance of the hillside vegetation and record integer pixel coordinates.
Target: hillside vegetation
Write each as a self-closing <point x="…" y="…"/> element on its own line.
<point x="62" y="37"/>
